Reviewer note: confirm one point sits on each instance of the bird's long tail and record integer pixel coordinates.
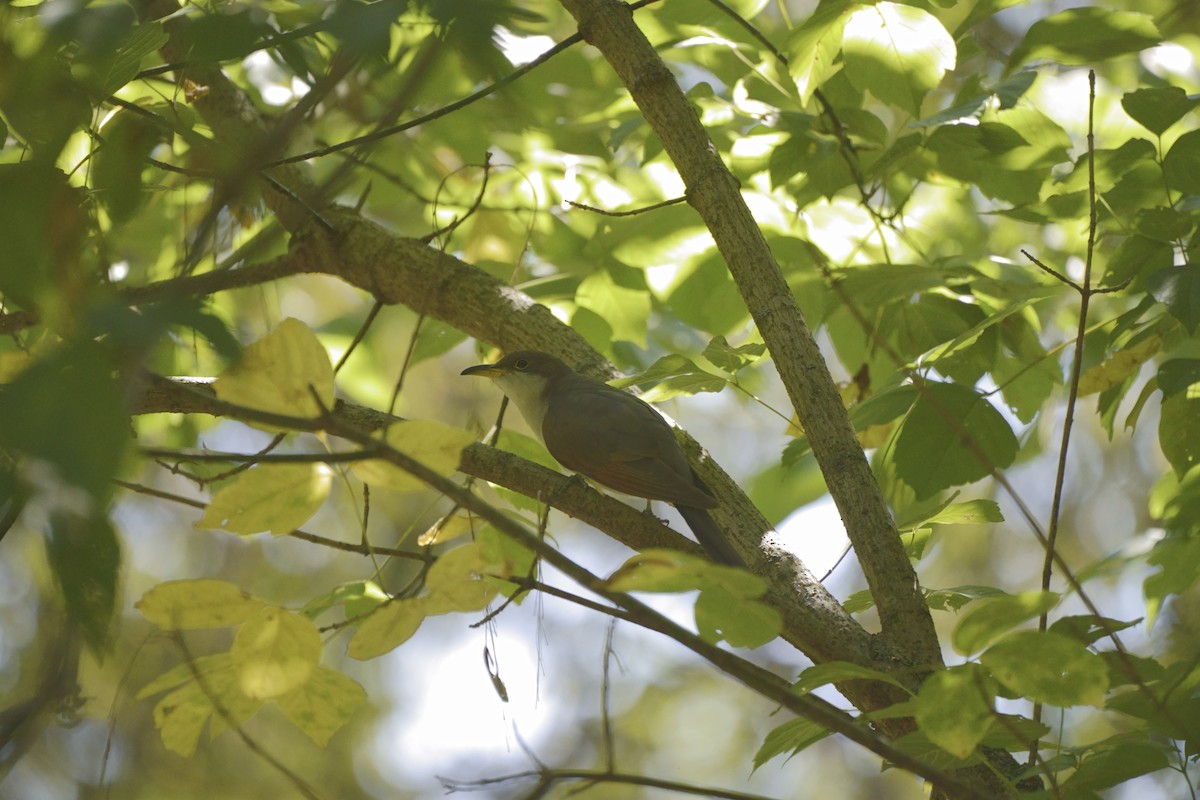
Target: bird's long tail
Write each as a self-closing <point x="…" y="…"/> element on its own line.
<point x="710" y="537"/>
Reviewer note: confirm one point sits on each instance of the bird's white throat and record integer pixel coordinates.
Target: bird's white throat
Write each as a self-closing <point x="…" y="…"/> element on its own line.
<point x="528" y="393"/>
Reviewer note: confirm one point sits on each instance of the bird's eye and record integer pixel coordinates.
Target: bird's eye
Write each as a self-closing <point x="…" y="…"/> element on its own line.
<point x="521" y="364"/>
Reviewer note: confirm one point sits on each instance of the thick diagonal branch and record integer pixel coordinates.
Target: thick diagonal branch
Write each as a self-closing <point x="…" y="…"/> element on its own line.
<point x="713" y="191"/>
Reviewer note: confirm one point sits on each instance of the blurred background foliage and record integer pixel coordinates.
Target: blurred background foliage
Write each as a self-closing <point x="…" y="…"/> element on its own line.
<point x="899" y="185"/>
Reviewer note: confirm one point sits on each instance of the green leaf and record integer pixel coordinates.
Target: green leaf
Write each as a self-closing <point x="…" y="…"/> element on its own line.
<point x="879" y="409"/>
<point x="220" y="37"/>
<point x="624" y="304"/>
<point x="1178" y="288"/>
<point x="1178" y="374"/>
<point x="954" y="708"/>
<point x="270" y="497"/>
<point x="820" y="675"/>
<point x="931" y="450"/>
<point x="790" y="737"/>
<point x="434" y="339"/>
<point x="85" y="557"/>
<point x="1008" y="155"/>
<point x="858" y="602"/>
<point x="732" y="359"/>
<point x="43" y="102"/>
<point x="128" y="139"/>
<point x="956" y="597"/>
<point x="1135" y="256"/>
<point x="1158" y="108"/>
<point x="872" y="285"/>
<point x="1088" y="628"/>
<point x="1114" y="764"/>
<point x="1179" y="431"/>
<point x="68" y="409"/>
<point x="971" y="512"/>
<point x="727" y="608"/>
<point x="990" y="620"/>
<point x="1086" y="35"/>
<point x="142" y="41"/>
<point x="673" y="375"/>
<point x="1181" y="164"/>
<point x="897" y="52"/>
<point x="812" y="47"/>
<point x="41" y="235"/>
<point x="1164" y="224"/>
<point x="1049" y="667"/>
<point x="1176" y="501"/>
<point x="742" y="622"/>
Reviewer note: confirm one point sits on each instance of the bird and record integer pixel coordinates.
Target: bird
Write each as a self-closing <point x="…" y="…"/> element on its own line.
<point x="609" y="436"/>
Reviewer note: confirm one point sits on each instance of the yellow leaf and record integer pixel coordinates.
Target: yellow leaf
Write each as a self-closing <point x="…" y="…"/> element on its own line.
<point x="455" y="581"/>
<point x="279" y="373"/>
<point x="13" y="364"/>
<point x="445" y="529"/>
<point x="439" y="447"/>
<point x="275" y="652"/>
<point x="185" y="672"/>
<point x="794" y="428"/>
<point x="657" y="571"/>
<point x="874" y="436"/>
<point x="270" y="497"/>
<point x="176" y="605"/>
<point x="388" y="627"/>
<point x="322" y="705"/>
<point x="180" y="716"/>
<point x="1118" y="367"/>
<point x="469" y="594"/>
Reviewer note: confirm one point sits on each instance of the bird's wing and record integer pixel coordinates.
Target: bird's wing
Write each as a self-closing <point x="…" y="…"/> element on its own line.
<point x="620" y="441"/>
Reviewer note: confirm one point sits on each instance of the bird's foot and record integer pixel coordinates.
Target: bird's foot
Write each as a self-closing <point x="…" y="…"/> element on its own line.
<point x="649" y="512"/>
<point x="574" y="480"/>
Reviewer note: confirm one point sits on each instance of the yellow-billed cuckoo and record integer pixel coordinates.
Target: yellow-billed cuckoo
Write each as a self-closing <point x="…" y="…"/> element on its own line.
<point x="609" y="436"/>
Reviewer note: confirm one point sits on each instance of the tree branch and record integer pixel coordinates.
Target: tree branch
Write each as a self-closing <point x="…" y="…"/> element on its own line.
<point x="713" y="192"/>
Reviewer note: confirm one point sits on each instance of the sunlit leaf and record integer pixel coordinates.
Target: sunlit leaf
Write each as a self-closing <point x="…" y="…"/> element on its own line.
<point x="989" y="621"/>
<point x="1086" y="35"/>
<point x="286" y="372"/>
<point x="202" y="603"/>
<point x="812" y="46"/>
<point x="1179" y="431"/>
<point x="722" y="615"/>
<point x="625" y="307"/>
<point x="791" y="737"/>
<point x="388" y="627"/>
<point x="1049" y="667"/>
<point x="270" y="497"/>
<point x="323" y="705"/>
<point x="275" y="652"/>
<point x="954" y="708"/>
<point x="1119" y="366"/>
<point x="435" y="445"/>
<point x="897" y="52"/>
